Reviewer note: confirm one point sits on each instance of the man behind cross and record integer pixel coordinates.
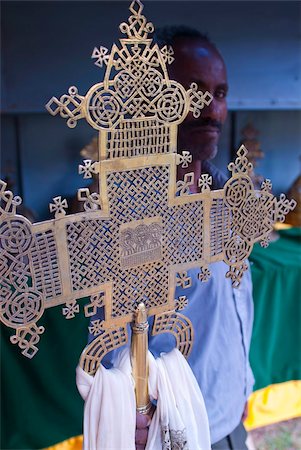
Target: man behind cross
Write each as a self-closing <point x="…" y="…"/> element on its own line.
<point x="221" y="315"/>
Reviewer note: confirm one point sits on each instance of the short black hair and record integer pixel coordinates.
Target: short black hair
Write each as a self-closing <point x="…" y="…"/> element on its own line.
<point x="168" y="34"/>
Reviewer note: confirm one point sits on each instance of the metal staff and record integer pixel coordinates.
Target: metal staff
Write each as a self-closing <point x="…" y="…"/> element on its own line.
<point x="139" y="359"/>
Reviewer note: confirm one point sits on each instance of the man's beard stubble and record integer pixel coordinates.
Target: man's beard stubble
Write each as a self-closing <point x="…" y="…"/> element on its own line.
<point x="201" y="145"/>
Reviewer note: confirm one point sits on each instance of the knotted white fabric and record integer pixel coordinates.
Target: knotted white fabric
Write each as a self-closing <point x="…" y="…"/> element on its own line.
<point x="110" y="406"/>
<point x="179" y="422"/>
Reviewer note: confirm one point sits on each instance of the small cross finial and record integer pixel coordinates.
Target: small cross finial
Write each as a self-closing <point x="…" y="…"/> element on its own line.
<point x="101" y="55"/>
<point x="58" y="207"/>
<point x="87" y="169"/>
<point x="205" y="182"/>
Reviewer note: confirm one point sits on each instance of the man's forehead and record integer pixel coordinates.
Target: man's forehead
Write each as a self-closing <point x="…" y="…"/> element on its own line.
<point x="194" y="47"/>
<point x="197" y="60"/>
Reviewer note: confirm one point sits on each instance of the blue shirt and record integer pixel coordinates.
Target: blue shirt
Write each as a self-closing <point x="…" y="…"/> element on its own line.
<point x="222" y="318"/>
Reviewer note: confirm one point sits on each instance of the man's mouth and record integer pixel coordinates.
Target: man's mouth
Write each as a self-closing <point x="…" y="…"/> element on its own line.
<point x="207" y="129"/>
<point x="205" y="126"/>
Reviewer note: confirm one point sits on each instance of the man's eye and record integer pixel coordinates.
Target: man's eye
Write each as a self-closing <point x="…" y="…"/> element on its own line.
<point x="221" y="93"/>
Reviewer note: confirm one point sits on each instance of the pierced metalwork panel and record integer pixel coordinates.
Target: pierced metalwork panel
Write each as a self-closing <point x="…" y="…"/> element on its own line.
<point x="220" y="225"/>
<point x="138" y="138"/>
<point x="183" y="237"/>
<point x="44" y="261"/>
<point x="138" y="194"/>
<point x="100" y="346"/>
<point x="142" y="231"/>
<point x="92" y="248"/>
<point x="178" y="325"/>
<point x="147" y="284"/>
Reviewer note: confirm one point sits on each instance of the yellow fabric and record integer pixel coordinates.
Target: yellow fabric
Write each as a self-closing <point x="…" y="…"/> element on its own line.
<point x="274" y="403"/>
<point x="281" y="226"/>
<point x="74" y="443"/>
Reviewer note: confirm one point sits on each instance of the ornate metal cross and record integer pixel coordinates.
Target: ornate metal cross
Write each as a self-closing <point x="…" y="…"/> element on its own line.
<point x="143" y="230"/>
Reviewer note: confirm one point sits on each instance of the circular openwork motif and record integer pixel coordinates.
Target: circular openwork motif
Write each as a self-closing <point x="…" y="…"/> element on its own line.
<point x="15" y="236"/>
<point x="22" y="309"/>
<point x="103" y="108"/>
<point x="236" y="191"/>
<point x="236" y="250"/>
<point x="171" y="104"/>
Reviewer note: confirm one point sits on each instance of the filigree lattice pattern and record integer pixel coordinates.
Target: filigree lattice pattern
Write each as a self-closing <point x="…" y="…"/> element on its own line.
<point x="142" y="230"/>
<point x="183" y="237"/>
<point x="97" y="301"/>
<point x="138" y="138"/>
<point x="134" y="195"/>
<point x="148" y="284"/>
<point x="16" y="236"/>
<point x="44" y="260"/>
<point x="198" y="100"/>
<point x="14" y="278"/>
<point x="136" y="86"/>
<point x="69" y="106"/>
<point x="241" y="163"/>
<point x="27" y="338"/>
<point x="137" y="194"/>
<point x="8" y="202"/>
<point x="92" y="201"/>
<point x="284" y="206"/>
<point x="177" y="324"/>
<point x="100" y="346"/>
<point x="220" y="226"/>
<point x="19" y="274"/>
<point x="92" y="247"/>
<point x="22" y="308"/>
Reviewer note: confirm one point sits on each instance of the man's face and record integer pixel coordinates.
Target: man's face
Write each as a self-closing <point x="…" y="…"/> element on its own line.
<point x="197" y="61"/>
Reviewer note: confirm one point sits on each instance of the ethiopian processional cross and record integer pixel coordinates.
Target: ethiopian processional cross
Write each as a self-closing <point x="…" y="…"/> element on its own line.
<point x="142" y="231"/>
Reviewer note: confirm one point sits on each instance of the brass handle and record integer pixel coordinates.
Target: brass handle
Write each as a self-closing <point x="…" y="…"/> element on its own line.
<point x="139" y="359"/>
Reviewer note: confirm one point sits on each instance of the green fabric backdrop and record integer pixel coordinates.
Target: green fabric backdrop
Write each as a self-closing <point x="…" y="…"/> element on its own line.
<point x="40" y="402"/>
<point x="276" y="341"/>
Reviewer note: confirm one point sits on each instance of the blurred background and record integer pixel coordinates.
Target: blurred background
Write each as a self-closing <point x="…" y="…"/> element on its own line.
<point x="46" y="48"/>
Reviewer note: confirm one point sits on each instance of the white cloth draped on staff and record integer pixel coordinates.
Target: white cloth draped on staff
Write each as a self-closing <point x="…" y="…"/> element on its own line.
<point x="180" y="419"/>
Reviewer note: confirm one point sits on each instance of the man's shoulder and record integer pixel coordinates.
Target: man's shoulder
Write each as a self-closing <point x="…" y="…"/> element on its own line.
<point x="218" y="177"/>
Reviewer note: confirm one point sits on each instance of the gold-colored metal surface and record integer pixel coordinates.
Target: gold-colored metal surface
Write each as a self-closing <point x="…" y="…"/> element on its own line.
<point x="139" y="359"/>
<point x="250" y="140"/>
<point x="141" y="232"/>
